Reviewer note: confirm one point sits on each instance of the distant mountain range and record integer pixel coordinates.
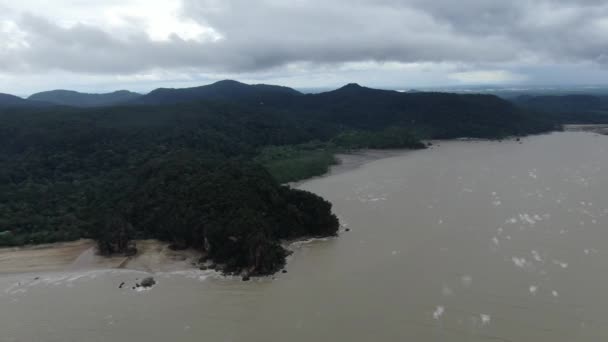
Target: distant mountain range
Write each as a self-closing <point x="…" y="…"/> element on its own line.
<point x="220" y="91"/>
<point x="350" y="104"/>
<point x="573" y="109"/>
<point x="564" y="103"/>
<point x="7" y="100"/>
<point x="76" y="99"/>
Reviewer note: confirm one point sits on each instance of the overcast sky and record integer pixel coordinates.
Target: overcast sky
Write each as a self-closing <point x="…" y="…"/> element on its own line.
<point x="90" y="45"/>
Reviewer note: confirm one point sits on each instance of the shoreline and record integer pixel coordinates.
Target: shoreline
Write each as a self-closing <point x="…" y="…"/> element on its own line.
<point x="590" y="128"/>
<point x="349" y="161"/>
<point x="153" y="256"/>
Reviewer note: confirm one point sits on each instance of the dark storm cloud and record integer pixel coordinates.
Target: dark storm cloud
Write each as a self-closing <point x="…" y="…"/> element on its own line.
<point x="259" y="35"/>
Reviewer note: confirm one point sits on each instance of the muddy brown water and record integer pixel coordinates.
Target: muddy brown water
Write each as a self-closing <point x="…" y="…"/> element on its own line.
<point x="467" y="241"/>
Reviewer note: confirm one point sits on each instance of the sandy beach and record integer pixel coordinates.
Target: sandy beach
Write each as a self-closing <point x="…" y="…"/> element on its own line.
<point x="153" y="256"/>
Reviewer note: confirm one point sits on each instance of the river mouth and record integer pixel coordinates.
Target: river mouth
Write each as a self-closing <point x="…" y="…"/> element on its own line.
<point x="467" y="241"/>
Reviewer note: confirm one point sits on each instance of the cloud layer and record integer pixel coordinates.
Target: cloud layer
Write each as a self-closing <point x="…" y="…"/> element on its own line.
<point x="244" y="36"/>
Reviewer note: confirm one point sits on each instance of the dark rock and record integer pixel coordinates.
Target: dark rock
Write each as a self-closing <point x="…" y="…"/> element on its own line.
<point x="246" y="278"/>
<point x="131" y="249"/>
<point x="284" y="271"/>
<point x="121" y="285"/>
<point x="178" y="246"/>
<point x="204" y="268"/>
<point x="148" y="282"/>
<point x="347" y="230"/>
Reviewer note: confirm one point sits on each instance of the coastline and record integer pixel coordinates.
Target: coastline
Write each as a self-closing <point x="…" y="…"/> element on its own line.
<point x="591" y="128"/>
<point x="153" y="256"/>
<point x="348" y="161"/>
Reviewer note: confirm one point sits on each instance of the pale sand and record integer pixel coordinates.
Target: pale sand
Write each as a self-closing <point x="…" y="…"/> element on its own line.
<point x="153" y="256"/>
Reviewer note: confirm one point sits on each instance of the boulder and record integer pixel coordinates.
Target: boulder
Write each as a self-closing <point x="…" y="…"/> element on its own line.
<point x="148" y="282"/>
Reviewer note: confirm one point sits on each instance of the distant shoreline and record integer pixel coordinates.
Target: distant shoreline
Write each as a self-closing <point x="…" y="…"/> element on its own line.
<point x="593" y="128"/>
<point x="348" y="161"/>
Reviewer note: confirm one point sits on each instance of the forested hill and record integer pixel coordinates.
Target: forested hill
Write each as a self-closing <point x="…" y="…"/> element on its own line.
<point x="12" y="101"/>
<point x="76" y="99"/>
<point x="443" y="115"/>
<point x="573" y="109"/>
<point x="207" y="174"/>
<point x="227" y="91"/>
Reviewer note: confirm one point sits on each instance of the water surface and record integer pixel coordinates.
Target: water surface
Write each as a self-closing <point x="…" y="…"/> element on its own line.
<point x="467" y="241"/>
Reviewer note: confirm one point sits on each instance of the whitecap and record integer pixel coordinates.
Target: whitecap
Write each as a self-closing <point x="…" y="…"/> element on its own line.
<point x="527" y="219"/>
<point x="520" y="262"/>
<point x="561" y="263"/>
<point x="439" y="311"/>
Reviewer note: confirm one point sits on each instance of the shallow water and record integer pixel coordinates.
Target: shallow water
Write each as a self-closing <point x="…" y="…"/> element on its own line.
<point x="467" y="241"/>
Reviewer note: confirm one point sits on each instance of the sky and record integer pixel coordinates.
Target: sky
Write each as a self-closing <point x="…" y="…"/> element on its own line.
<point x="140" y="45"/>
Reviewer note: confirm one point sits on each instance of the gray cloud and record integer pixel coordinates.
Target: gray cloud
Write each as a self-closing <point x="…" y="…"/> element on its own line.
<point x="261" y="35"/>
<point x="414" y="30"/>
